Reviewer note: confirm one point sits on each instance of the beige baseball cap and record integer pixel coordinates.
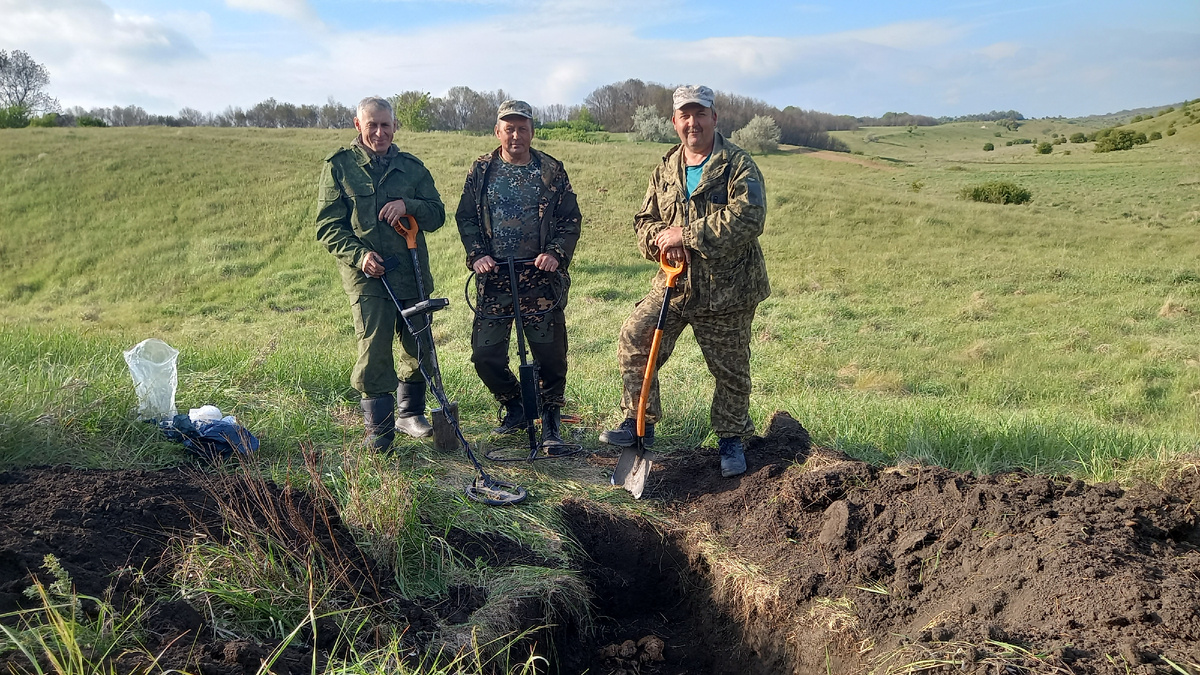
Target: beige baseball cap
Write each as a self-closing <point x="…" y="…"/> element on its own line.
<point x="511" y="107"/>
<point x="693" y="93"/>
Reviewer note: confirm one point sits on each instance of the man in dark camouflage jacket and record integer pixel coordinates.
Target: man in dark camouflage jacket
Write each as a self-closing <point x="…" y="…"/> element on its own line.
<point x="364" y="191"/>
<point x="517" y="202"/>
<point x="705" y="205"/>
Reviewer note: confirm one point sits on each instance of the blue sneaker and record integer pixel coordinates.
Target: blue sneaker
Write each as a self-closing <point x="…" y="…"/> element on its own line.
<point x="733" y="457"/>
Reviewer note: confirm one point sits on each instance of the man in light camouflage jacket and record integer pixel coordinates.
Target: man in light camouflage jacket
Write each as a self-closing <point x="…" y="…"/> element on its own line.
<point x="706" y="205"/>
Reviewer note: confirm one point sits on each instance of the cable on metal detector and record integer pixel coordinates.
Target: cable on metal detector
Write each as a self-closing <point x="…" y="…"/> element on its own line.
<point x="484" y="488"/>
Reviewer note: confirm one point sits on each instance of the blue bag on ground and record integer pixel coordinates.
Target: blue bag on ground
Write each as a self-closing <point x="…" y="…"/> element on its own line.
<point x="211" y="440"/>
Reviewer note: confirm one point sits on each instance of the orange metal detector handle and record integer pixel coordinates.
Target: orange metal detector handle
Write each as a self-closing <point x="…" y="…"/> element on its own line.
<point x="410" y="232"/>
<point x="672" y="273"/>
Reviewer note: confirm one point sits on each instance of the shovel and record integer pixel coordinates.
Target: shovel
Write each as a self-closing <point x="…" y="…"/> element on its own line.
<point x="444" y="418"/>
<point x="635" y="462"/>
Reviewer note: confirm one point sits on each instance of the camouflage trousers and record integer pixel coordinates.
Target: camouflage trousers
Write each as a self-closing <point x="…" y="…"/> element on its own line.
<point x="545" y="334"/>
<point x="376" y="324"/>
<point x="724" y="339"/>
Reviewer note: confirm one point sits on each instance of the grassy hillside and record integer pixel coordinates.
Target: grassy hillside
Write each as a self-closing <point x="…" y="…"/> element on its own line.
<point x="904" y="320"/>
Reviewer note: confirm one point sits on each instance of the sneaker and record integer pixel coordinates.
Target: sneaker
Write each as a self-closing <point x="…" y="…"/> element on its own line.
<point x="733" y="457"/>
<point x="625" y="435"/>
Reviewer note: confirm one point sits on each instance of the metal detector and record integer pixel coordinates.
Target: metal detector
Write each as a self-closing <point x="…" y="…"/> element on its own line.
<point x="527" y="371"/>
<point x="484" y="488"/>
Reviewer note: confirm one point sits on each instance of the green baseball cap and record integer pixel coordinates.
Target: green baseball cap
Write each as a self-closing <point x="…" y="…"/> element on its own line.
<point x="511" y="107"/>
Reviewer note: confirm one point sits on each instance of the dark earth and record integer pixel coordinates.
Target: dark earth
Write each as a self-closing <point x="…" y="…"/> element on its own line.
<point x="811" y="562"/>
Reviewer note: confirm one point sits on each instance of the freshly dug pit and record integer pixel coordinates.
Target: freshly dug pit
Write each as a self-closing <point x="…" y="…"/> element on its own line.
<point x="817" y="563"/>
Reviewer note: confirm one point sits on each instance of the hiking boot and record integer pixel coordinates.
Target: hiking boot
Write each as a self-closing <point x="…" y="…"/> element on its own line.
<point x="379" y="420"/>
<point x="410" y="410"/>
<point x="552" y="441"/>
<point x="514" y="418"/>
<point x="733" y="456"/>
<point x="625" y="435"/>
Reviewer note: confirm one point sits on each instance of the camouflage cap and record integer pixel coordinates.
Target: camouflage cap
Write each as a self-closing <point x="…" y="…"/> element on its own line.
<point x="510" y="107"/>
<point x="693" y="93"/>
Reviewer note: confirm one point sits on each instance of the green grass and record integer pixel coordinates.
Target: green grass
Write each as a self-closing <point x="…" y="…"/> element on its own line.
<point x="905" y="323"/>
<point x="902" y="317"/>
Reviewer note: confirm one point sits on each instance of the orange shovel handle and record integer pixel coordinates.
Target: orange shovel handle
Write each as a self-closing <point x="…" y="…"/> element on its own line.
<point x="644" y="398"/>
<point x="409" y="232"/>
<point x="672" y="272"/>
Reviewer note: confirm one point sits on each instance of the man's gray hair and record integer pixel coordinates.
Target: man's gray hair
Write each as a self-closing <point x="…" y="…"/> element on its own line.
<point x="374" y="103"/>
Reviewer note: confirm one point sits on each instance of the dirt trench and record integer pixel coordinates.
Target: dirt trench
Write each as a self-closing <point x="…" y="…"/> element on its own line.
<point x="813" y="562"/>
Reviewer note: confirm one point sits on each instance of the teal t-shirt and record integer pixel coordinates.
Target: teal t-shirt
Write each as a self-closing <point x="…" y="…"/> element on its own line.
<point x="693" y="176"/>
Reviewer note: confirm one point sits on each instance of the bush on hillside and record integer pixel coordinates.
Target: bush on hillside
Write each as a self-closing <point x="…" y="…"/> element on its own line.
<point x="14" y="117"/>
<point x="1078" y="137"/>
<point x="1119" y="139"/>
<point x="648" y="126"/>
<point x="988" y="147"/>
<point x="761" y="134"/>
<point x="1155" y="135"/>
<point x="1171" y="131"/>
<point x="48" y="120"/>
<point x="1044" y="148"/>
<point x="569" y="134"/>
<point x="997" y="192"/>
<point x="89" y="121"/>
<point x="1021" y="141"/>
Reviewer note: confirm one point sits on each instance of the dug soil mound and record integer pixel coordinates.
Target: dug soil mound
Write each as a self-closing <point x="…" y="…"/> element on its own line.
<point x="810" y="562"/>
<point x="113" y="533"/>
<point x="819" y="563"/>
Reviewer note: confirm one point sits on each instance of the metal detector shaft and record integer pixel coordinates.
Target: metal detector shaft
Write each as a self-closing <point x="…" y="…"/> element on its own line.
<point x="527" y="372"/>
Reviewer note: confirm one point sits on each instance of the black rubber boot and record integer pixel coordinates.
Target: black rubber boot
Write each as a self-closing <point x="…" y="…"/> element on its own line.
<point x="552" y="441"/>
<point x="514" y="418"/>
<point x="410" y="410"/>
<point x="379" y="417"/>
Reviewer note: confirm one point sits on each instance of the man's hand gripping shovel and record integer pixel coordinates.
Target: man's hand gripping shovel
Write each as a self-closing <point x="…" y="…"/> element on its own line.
<point x="635" y="462"/>
<point x="484" y="489"/>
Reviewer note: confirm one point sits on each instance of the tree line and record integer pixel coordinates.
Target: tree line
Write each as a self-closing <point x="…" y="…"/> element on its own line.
<point x="611" y="107"/>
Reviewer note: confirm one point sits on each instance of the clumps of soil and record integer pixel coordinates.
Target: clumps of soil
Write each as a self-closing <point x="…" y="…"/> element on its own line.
<point x="815" y="562"/>
<point x="112" y="532"/>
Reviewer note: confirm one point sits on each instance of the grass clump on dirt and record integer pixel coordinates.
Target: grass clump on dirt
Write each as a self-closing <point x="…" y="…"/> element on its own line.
<point x="59" y="636"/>
<point x="997" y="192"/>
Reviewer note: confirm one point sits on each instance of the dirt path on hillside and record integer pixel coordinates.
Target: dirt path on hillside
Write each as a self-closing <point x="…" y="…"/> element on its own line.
<point x="839" y="157"/>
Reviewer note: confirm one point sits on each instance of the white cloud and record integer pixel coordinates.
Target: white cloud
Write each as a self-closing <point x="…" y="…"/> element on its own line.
<point x="296" y="10"/>
<point x="557" y="52"/>
<point x="1000" y="50"/>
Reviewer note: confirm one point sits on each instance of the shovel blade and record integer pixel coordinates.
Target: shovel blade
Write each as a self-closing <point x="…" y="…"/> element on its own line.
<point x="633" y="466"/>
<point x="443" y="420"/>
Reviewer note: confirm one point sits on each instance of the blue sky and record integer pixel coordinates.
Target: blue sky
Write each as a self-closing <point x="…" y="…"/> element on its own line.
<point x="1043" y="58"/>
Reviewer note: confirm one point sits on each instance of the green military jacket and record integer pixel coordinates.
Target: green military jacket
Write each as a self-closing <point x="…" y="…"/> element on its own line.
<point x="558" y="210"/>
<point x="725" y="217"/>
<point x="348" y="224"/>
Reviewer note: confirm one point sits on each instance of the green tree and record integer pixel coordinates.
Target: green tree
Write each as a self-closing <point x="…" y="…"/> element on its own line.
<point x="988" y="147"/>
<point x="14" y="117"/>
<point x="412" y="110"/>
<point x="1044" y="148"/>
<point x="1078" y="137"/>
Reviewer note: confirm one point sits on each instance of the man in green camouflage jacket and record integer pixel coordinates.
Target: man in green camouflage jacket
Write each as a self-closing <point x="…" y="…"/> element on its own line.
<point x="365" y="190"/>
<point x="706" y="205"/>
<point x="517" y="202"/>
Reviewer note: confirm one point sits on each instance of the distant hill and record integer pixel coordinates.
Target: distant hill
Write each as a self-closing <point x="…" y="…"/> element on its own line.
<point x="1124" y="116"/>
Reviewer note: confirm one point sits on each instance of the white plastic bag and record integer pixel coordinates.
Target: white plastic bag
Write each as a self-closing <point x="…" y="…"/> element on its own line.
<point x="152" y="365"/>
